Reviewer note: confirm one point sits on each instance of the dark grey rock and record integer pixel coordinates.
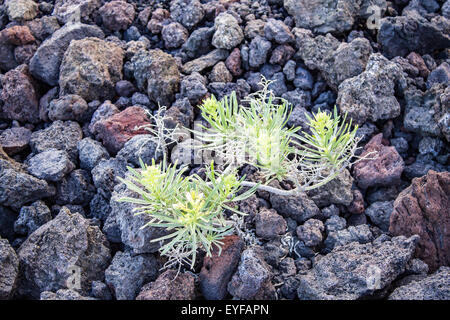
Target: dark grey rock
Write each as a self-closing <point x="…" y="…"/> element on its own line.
<point x="371" y="95"/>
<point x="140" y="147"/>
<point x="9" y="264"/>
<point x="104" y="111"/>
<point x="303" y="79"/>
<point x="205" y="61"/>
<point x="356" y="271"/>
<point x="105" y="174"/>
<point x="360" y="233"/>
<point x="32" y="217"/>
<point x="68" y="107"/>
<point x="123" y="226"/>
<point x="59" y="135"/>
<point x="432" y="146"/>
<point x="194" y="88"/>
<point x="337" y="191"/>
<point x="99" y="207"/>
<point x="259" y="49"/>
<point x="79" y="245"/>
<point x="76" y="188"/>
<point x="90" y="153"/>
<point x="50" y="165"/>
<point x="439" y="75"/>
<point x="300" y="208"/>
<point x="269" y="224"/>
<point x="252" y="279"/>
<point x="335" y="223"/>
<point x="100" y="291"/>
<point x="125" y="88"/>
<point x="433" y="287"/>
<point x="7" y="219"/>
<point x="63" y="294"/>
<point x="379" y="213"/>
<point x="198" y="43"/>
<point x="127" y="273"/>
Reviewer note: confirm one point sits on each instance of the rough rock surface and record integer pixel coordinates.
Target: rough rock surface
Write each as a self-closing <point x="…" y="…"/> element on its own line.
<point x="50" y="165"/>
<point x="80" y="246"/>
<point x="337" y="191"/>
<point x="46" y="61"/>
<point x="218" y="269"/>
<point x="117" y="15"/>
<point x="383" y="167"/>
<point x="299" y="208"/>
<point x="169" y="286"/>
<point x="228" y="33"/>
<point x="424" y="209"/>
<point x="371" y="95"/>
<point x="252" y="279"/>
<point x="90" y="68"/>
<point x="75" y="10"/>
<point x="32" y="217"/>
<point x="127" y="273"/>
<point x="15" y="140"/>
<point x="433" y="287"/>
<point x="356" y="270"/>
<point x="116" y="130"/>
<point x="9" y="264"/>
<point x="20" y="99"/>
<point x="157" y="73"/>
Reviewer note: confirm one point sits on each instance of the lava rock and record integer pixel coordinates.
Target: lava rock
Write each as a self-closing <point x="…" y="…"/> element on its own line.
<point x="433" y="287"/>
<point x="187" y="12"/>
<point x="9" y="264"/>
<point x="76" y="188"/>
<point x="90" y="68"/>
<point x="116" y="130"/>
<point x="423" y="209"/>
<point x="15" y="140"/>
<point x="194" y="88"/>
<point x="259" y="49"/>
<point x="337" y="191"/>
<point x="233" y="62"/>
<point x="64" y="295"/>
<point x="356" y="270"/>
<point x="220" y="73"/>
<point x="141" y="147"/>
<point x="20" y="99"/>
<point x="90" y="153"/>
<point x="50" y="165"/>
<point x="123" y="226"/>
<point x="32" y="217"/>
<point x="228" y="33"/>
<point x="276" y="30"/>
<point x="360" y="233"/>
<point x="105" y="174"/>
<point x="218" y="268"/>
<point x="68" y="107"/>
<point x="336" y="61"/>
<point x="156" y="72"/>
<point x="75" y="10"/>
<point x="127" y="273"/>
<point x="170" y="285"/>
<point x="379" y="213"/>
<point x="84" y="246"/>
<point x="269" y="224"/>
<point x="300" y="208"/>
<point x="252" y="279"/>
<point x="383" y="168"/>
<point x="59" y="135"/>
<point x="311" y="232"/>
<point x="21" y="10"/>
<point x="371" y="95"/>
<point x="439" y="75"/>
<point x="174" y="35"/>
<point x="117" y="15"/>
<point x="198" y="43"/>
<point x="46" y="62"/>
<point x="401" y="35"/>
<point x="206" y="61"/>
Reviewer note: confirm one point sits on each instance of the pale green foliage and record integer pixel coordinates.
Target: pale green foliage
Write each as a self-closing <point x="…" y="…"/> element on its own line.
<point x="188" y="207"/>
<point x="192" y="209"/>
<point x="257" y="135"/>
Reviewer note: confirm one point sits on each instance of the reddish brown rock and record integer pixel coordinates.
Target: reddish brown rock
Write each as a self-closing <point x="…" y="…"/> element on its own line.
<point x="282" y="54"/>
<point x="20" y="99"/>
<point x="218" y="269"/>
<point x="233" y="62"/>
<point x="383" y="167"/>
<point x="169" y="286"/>
<point x="357" y="205"/>
<point x="117" y="15"/>
<point x="417" y="61"/>
<point x="158" y="16"/>
<point x="15" y="140"/>
<point x="121" y="127"/>
<point x="17" y="35"/>
<point x="424" y="209"/>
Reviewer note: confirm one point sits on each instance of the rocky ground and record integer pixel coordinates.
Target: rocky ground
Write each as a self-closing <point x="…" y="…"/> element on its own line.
<point x="77" y="77"/>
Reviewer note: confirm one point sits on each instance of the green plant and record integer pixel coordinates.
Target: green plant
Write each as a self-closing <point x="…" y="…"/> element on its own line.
<point x="191" y="209"/>
<point x="188" y="207"/>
